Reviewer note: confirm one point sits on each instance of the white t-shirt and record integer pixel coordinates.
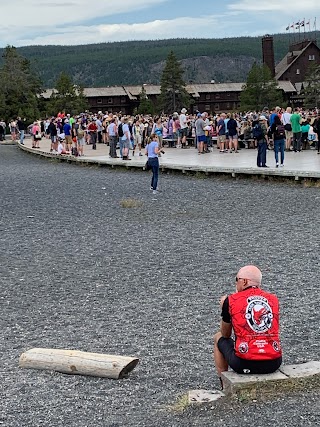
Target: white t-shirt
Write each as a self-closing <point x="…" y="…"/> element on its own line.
<point x="125" y="129"/>
<point x="183" y="121"/>
<point x="60" y="148"/>
<point x="286" y="118"/>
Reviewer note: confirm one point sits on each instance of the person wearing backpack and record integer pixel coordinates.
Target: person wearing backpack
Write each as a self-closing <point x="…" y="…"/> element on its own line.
<point x="259" y="133"/>
<point x="279" y="135"/>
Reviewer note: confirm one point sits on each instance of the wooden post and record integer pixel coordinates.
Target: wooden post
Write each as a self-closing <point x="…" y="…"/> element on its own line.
<point x="78" y="362"/>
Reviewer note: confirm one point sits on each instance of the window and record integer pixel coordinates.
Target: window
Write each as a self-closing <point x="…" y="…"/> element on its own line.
<point x="217" y="106"/>
<point x="312" y="57"/>
<point x="123" y="100"/>
<point x="228" y="105"/>
<point x="298" y="71"/>
<point x="110" y="101"/>
<point x="207" y="107"/>
<point x="228" y="94"/>
<point x="99" y="101"/>
<point x="208" y="97"/>
<point x="217" y="96"/>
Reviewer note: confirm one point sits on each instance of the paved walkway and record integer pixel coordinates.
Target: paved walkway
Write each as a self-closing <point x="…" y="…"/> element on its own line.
<point x="300" y="165"/>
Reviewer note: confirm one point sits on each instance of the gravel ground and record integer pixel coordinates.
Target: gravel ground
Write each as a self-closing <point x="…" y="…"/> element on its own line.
<point x="80" y="271"/>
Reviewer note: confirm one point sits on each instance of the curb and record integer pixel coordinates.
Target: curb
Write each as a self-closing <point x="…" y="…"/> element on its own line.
<point x="272" y="173"/>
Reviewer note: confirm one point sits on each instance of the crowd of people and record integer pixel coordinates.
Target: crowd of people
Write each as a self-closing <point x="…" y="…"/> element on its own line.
<point x="127" y="135"/>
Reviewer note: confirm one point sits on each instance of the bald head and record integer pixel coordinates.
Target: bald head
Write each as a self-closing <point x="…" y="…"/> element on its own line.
<point x="250" y="275"/>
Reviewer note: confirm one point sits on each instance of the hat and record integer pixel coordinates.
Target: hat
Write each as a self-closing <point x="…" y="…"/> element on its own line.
<point x="262" y="118"/>
<point x="199" y="115"/>
<point x="183" y="111"/>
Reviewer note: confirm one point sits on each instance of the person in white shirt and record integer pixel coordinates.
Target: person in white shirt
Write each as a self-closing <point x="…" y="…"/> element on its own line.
<point x="183" y="127"/>
<point x="285" y="118"/>
<point x="112" y="133"/>
<point x="61" y="149"/>
<point x="125" y="140"/>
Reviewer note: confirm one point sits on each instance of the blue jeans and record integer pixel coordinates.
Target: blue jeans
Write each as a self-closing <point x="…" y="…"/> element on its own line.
<point x="262" y="153"/>
<point x="120" y="146"/>
<point x="21" y="136"/>
<point x="279" y="145"/>
<point x="154" y="163"/>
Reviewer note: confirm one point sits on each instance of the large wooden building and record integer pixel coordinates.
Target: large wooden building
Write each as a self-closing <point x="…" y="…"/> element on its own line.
<point x="210" y="97"/>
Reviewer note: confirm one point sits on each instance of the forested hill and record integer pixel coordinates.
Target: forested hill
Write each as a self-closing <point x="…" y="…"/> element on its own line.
<point x="137" y="62"/>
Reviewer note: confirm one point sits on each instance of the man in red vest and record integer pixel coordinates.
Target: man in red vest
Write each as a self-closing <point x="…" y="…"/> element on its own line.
<point x="253" y="315"/>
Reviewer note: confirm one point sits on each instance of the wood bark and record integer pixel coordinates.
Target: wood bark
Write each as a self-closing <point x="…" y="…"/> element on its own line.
<point x="78" y="362"/>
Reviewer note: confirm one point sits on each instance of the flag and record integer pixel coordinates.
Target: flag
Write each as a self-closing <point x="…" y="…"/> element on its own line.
<point x="297" y="23"/>
<point x="292" y="26"/>
<point x="308" y="23"/>
<point x="287" y="29"/>
<point x="302" y="24"/>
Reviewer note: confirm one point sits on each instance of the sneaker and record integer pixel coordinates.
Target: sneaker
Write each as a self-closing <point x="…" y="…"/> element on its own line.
<point x="154" y="192"/>
<point x="140" y="154"/>
<point x="151" y="188"/>
<point x="282" y="165"/>
<point x="277" y="165"/>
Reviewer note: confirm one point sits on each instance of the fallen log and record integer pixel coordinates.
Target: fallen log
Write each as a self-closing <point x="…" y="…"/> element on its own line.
<point x="78" y="362"/>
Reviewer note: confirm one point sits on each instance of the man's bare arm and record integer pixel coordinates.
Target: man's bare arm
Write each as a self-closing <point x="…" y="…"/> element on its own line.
<point x="225" y="329"/>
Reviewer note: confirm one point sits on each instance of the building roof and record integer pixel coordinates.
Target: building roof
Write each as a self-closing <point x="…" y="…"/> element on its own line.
<point x="286" y="86"/>
<point x="214" y="87"/>
<point x="150" y="89"/>
<point x="91" y="92"/>
<point x="195" y="90"/>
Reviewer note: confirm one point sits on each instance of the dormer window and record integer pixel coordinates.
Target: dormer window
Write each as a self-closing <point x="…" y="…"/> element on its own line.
<point x="298" y="71"/>
<point x="312" y="57"/>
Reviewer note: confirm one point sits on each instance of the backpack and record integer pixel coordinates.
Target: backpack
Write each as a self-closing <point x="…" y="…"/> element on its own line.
<point x="257" y="132"/>
<point x="81" y="133"/>
<point x="280" y="131"/>
<point x="74" y="151"/>
<point x="120" y="130"/>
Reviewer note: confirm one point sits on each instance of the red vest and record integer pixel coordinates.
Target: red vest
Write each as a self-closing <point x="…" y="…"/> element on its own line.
<point x="255" y="321"/>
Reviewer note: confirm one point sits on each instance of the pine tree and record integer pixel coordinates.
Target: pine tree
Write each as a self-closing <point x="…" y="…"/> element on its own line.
<point x="173" y="95"/>
<point x="67" y="97"/>
<point x="145" y="105"/>
<point x="312" y="89"/>
<point x="20" y="87"/>
<point x="260" y="90"/>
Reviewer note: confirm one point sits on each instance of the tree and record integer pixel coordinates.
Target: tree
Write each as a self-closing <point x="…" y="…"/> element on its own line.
<point x="173" y="95"/>
<point x="261" y="90"/>
<point x="67" y="97"/>
<point x="20" y="87"/>
<point x="312" y="88"/>
<point x="145" y="105"/>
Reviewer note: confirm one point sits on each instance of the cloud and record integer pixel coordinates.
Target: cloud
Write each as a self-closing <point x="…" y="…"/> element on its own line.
<point x="157" y="29"/>
<point x="287" y="7"/>
<point x="28" y="17"/>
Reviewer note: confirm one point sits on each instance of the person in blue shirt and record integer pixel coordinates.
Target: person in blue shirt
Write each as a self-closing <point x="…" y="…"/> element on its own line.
<point x="152" y="151"/>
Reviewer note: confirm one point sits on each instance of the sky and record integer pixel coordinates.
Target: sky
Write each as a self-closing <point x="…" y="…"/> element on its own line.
<point x="74" y="22"/>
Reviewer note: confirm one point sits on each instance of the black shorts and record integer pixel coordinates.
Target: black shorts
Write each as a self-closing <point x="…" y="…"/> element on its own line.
<point x="243" y="366"/>
<point x="184" y="132"/>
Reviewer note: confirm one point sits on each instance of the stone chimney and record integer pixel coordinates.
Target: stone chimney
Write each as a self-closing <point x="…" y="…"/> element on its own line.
<point x="268" y="53"/>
